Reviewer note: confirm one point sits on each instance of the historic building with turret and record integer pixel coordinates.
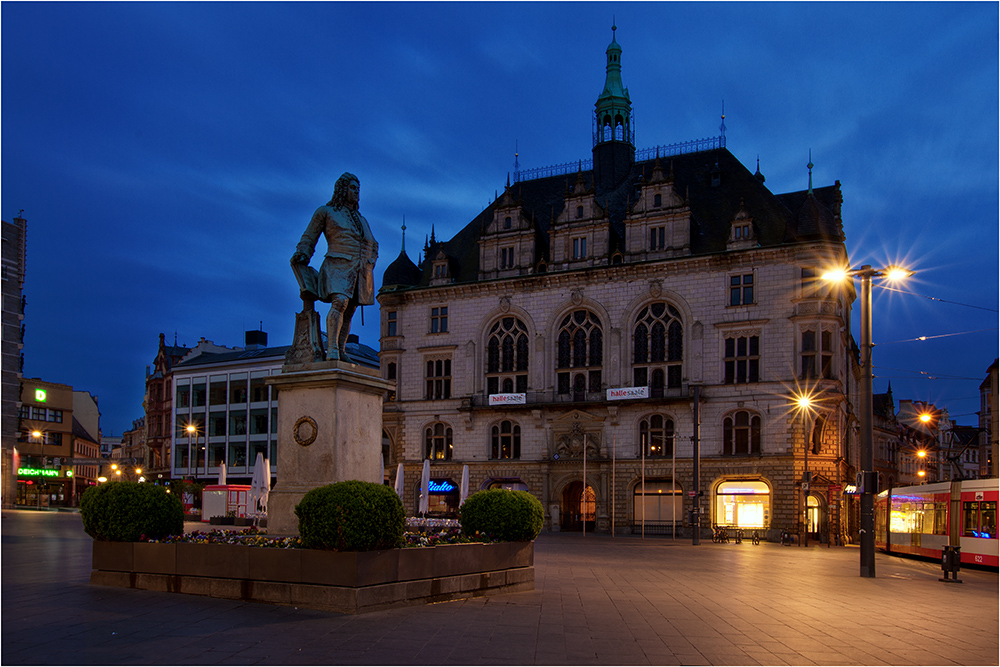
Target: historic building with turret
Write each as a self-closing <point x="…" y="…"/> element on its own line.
<point x="603" y="329"/>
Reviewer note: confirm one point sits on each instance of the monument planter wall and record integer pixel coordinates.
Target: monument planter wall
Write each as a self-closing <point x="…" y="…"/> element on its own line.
<point x="349" y="582"/>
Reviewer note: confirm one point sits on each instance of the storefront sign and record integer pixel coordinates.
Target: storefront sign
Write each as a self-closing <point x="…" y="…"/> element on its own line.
<point x="41" y="396"/>
<point x="37" y="472"/>
<point x="508" y="399"/>
<point x="627" y="392"/>
<point x="850" y="489"/>
<point x="443" y="486"/>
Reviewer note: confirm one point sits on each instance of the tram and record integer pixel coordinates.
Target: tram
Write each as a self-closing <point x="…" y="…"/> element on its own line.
<point x="922" y="520"/>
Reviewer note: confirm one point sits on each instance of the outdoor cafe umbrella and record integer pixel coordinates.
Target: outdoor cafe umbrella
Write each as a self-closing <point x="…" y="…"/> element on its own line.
<point x="425" y="483"/>
<point x="464" y="489"/>
<point x="222" y="473"/>
<point x="399" y="481"/>
<point x="260" y="483"/>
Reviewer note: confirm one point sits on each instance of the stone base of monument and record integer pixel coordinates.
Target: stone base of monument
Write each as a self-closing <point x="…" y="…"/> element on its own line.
<point x="329" y="430"/>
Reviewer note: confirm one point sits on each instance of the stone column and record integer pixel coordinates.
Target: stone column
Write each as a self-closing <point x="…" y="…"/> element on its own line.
<point x="329" y="430"/>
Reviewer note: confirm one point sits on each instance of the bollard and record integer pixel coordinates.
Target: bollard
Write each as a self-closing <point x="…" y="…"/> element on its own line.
<point x="951" y="561"/>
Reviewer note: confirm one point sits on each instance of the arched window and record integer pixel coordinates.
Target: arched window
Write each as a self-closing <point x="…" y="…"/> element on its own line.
<point x="507" y="357"/>
<point x="506" y="441"/>
<point x="580" y="346"/>
<point x="656" y="436"/>
<point x="741" y="434"/>
<point x="657" y="345"/>
<point x="437" y="442"/>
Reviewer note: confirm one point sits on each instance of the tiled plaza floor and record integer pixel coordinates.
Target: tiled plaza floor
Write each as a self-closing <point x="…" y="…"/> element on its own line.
<point x="597" y="600"/>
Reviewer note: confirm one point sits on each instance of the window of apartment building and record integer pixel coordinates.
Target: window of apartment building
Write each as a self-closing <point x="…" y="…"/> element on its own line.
<point x="217" y="390"/>
<point x="657" y="237"/>
<point x="183" y="395"/>
<point x="580" y="347"/>
<point x="237" y="423"/>
<point x="505" y="441"/>
<point x="439" y="319"/>
<point x="55" y="416"/>
<point x="506" y="258"/>
<point x="741" y="434"/>
<point x="438" y="379"/>
<point x="37" y="414"/>
<point x="741" y="290"/>
<point x="657" y="348"/>
<point x="258" y="421"/>
<point x="580" y="247"/>
<point x="742" y="359"/>
<point x="437" y="441"/>
<point x="217" y="423"/>
<point x="258" y="387"/>
<point x="198" y="393"/>
<point x="390" y="323"/>
<point x="656" y="436"/>
<point x="507" y="357"/>
<point x="238" y="388"/>
<point x="817" y="360"/>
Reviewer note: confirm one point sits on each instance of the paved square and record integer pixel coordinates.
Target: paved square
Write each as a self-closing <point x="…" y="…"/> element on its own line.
<point x="598" y="600"/>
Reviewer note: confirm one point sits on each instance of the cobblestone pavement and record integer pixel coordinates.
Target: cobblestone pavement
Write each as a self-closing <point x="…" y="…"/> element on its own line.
<point x="598" y="600"/>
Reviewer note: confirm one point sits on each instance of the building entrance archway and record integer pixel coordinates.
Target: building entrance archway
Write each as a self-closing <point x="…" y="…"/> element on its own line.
<point x="578" y="506"/>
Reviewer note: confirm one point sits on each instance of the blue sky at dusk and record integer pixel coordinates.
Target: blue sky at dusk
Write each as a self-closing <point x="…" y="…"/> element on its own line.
<point x="168" y="156"/>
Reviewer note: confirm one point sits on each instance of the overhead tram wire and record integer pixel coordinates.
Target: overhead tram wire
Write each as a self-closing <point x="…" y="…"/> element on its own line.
<point x="934" y="298"/>
<point x="923" y="338"/>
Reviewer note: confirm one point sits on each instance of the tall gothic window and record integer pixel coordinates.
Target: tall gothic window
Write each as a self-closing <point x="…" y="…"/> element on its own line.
<point x="506" y="441"/>
<point x="507" y="357"/>
<point x="437" y="441"/>
<point x="579" y="354"/>
<point x="657" y="348"/>
<point x="741" y="434"/>
<point x="656" y="435"/>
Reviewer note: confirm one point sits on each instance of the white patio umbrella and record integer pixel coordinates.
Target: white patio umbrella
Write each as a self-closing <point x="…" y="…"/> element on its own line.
<point x="259" y="484"/>
<point x="464" y="488"/>
<point x="399" y="480"/>
<point x="425" y="484"/>
<point x="222" y="473"/>
<point x="267" y="486"/>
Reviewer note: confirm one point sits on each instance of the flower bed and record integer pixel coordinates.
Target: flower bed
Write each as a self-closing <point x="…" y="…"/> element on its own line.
<point x="248" y="565"/>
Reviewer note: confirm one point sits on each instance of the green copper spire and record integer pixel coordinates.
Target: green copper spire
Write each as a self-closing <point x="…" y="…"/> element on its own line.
<point x="613" y="87"/>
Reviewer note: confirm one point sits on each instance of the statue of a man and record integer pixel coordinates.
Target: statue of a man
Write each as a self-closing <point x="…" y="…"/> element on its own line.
<point x="345" y="279"/>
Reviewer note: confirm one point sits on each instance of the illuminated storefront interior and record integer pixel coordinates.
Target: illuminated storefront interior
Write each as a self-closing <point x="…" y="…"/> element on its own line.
<point x="744" y="504"/>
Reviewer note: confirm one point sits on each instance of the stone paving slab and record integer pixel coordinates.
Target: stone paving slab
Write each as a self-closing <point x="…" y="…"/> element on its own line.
<point x="597" y="600"/>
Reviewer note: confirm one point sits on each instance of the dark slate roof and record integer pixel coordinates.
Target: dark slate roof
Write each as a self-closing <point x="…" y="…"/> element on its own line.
<point x="402" y="272"/>
<point x="237" y="355"/>
<point x="778" y="219"/>
<point x="80" y="432"/>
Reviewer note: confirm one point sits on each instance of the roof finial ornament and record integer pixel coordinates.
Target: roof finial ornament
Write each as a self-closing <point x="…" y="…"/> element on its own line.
<point x="810" y="166"/>
<point x="517" y="165"/>
<point x="722" y="128"/>
<point x="403" y="248"/>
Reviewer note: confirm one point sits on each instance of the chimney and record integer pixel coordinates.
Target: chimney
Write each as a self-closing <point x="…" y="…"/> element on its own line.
<point x="256" y="340"/>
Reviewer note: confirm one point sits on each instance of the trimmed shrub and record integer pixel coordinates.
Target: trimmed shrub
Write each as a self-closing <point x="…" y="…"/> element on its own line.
<point x="129" y="511"/>
<point x="351" y="516"/>
<point x="507" y="516"/>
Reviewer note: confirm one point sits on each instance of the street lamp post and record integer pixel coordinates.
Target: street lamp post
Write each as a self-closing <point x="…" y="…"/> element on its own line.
<point x="865" y="274"/>
<point x="804" y="403"/>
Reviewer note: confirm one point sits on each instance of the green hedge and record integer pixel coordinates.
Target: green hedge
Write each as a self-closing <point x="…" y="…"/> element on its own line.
<point x="506" y="516"/>
<point x="351" y="516"/>
<point x="130" y="511"/>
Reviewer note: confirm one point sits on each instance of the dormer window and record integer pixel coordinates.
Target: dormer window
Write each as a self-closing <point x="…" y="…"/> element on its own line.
<point x="657" y="200"/>
<point x="506" y="222"/>
<point x="579" y="212"/>
<point x="440" y="270"/>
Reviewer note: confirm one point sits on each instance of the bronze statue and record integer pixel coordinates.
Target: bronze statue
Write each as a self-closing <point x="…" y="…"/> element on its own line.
<point x="345" y="279"/>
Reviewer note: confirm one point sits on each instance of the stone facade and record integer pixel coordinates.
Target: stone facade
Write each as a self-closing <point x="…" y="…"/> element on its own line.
<point x="683" y="272"/>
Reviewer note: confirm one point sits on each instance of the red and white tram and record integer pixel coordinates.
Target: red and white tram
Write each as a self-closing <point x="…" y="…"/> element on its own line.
<point x="922" y="520"/>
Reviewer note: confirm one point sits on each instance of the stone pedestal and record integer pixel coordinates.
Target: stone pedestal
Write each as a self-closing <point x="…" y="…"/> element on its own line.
<point x="329" y="430"/>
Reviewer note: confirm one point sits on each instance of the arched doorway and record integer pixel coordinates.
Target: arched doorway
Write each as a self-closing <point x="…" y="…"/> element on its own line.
<point x="814" y="517"/>
<point x="578" y="506"/>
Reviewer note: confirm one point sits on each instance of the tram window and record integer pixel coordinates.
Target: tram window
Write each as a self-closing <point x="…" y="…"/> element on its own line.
<point x="940" y="518"/>
<point x="988" y="519"/>
<point x="970" y="519"/>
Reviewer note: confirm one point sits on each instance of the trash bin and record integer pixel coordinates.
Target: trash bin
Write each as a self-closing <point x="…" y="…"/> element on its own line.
<point x="951" y="562"/>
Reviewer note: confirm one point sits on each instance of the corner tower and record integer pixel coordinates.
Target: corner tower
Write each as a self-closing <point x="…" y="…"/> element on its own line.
<point x="614" y="134"/>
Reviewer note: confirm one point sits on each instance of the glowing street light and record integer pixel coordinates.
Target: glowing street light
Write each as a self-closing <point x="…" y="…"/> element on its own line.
<point x="804" y="403"/>
<point x="865" y="274"/>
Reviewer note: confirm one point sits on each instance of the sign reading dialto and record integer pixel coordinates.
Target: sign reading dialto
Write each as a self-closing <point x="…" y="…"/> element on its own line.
<point x="622" y="393"/>
<point x="507" y="399"/>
